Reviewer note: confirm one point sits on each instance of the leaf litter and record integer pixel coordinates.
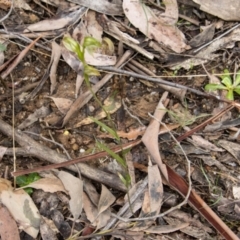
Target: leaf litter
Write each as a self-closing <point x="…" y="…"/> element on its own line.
<point x="145" y="38"/>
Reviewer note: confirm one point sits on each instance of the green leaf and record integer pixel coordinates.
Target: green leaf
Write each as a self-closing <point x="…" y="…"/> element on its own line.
<point x="73" y="46"/>
<point x="27" y="179"/>
<point x="111" y="153"/>
<point x="91" y="71"/>
<point x="237" y="90"/>
<point x="229" y="95"/>
<point x="125" y="180"/>
<point x="225" y="74"/>
<point x="105" y="127"/>
<point x="227" y="81"/>
<point x="214" y="86"/>
<point x="237" y="79"/>
<point x="90" y="42"/>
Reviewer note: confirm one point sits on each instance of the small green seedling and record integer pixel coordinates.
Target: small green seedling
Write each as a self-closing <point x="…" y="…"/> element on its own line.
<point x="26" y="180"/>
<point x="227" y="84"/>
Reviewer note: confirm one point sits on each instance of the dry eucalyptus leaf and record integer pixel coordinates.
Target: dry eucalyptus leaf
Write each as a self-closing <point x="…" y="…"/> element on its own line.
<point x="102" y="6"/>
<point x="166" y="228"/>
<point x="155" y="27"/>
<point x="98" y="59"/>
<point x="150" y="137"/>
<point x="47" y="231"/>
<point x="203" y="143"/>
<point x="94" y="29"/>
<point x="8" y="226"/>
<point x="21" y="207"/>
<point x="57" y="22"/>
<point x="90" y="209"/>
<point x="74" y="186"/>
<point x="48" y="185"/>
<point x="63" y="104"/>
<point x="32" y="118"/>
<point x="55" y="57"/>
<point x="106" y="200"/>
<point x="225" y="9"/>
<point x="155" y="189"/>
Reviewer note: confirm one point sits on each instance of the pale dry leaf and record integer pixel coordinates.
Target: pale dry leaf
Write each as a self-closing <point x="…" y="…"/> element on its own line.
<point x="80" y="32"/>
<point x="205" y="36"/>
<point x="22" y="5"/>
<point x="8" y="226"/>
<point x="63" y="104"/>
<point x="106" y="200"/>
<point x="101" y="6"/>
<point x="166" y="228"/>
<point x="98" y="59"/>
<point x="146" y="204"/>
<point x="103" y="218"/>
<point x="232" y="148"/>
<point x="91" y="191"/>
<point x="179" y="216"/>
<point x="170" y="16"/>
<point x="79" y="82"/>
<point x="2" y="151"/>
<point x="90" y="209"/>
<point x="203" y="143"/>
<point x="154" y="27"/>
<point x="224" y="9"/>
<point x="94" y="29"/>
<point x="47" y="231"/>
<point x="55" y="57"/>
<point x="48" y="185"/>
<point x="150" y="137"/>
<point x="5" y="185"/>
<point x="155" y="189"/>
<point x="74" y="186"/>
<point x="34" y="117"/>
<point x="23" y="210"/>
<point x="236" y="192"/>
<point x="207" y="53"/>
<point x="57" y="22"/>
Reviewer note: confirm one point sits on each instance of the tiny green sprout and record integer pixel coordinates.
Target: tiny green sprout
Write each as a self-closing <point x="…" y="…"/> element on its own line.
<point x="26" y="180"/>
<point x="227" y="84"/>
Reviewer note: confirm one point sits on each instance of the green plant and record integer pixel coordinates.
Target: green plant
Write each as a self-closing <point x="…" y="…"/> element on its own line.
<point x="91" y="44"/>
<point x="227" y="84"/>
<point x="26" y="180"/>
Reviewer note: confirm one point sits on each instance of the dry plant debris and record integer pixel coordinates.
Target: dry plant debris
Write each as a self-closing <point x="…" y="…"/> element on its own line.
<point x="105" y="102"/>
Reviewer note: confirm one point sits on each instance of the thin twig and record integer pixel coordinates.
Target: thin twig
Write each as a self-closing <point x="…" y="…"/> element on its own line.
<point x="215" y="39"/>
<point x="9" y="12"/>
<point x="158" y="80"/>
